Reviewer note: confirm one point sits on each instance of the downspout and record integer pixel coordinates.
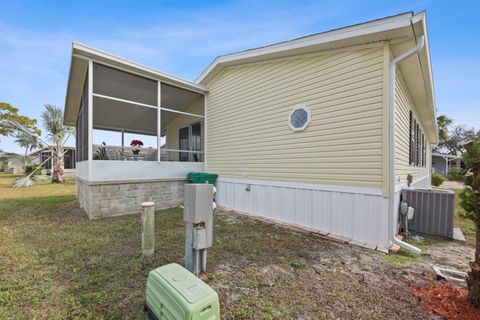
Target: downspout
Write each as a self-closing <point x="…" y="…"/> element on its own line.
<point x="391" y="138"/>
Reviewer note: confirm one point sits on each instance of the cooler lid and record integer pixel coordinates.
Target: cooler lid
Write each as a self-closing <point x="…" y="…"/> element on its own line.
<point x="184" y="282"/>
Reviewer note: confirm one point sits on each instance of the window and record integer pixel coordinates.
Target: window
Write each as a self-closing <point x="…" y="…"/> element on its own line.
<point x="43" y="158"/>
<point x="299" y="118"/>
<point x="418" y="144"/>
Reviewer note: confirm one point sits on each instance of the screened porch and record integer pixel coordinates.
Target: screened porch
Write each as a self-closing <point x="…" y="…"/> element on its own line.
<point x="131" y="125"/>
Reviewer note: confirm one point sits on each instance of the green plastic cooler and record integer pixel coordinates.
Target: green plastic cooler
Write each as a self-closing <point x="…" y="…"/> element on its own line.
<point x="174" y="293"/>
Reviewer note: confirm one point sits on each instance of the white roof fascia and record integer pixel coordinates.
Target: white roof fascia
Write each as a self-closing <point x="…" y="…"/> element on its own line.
<point x="427" y="68"/>
<point x="399" y="21"/>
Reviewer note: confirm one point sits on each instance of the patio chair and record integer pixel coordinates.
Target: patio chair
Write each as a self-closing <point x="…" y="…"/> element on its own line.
<point x="114" y="154"/>
<point x="151" y="155"/>
<point x="101" y="153"/>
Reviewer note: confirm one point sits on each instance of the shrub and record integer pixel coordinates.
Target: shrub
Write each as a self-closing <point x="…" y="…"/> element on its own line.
<point x="437" y="179"/>
<point x="455" y="175"/>
<point x="297" y="263"/>
<point x="30" y="167"/>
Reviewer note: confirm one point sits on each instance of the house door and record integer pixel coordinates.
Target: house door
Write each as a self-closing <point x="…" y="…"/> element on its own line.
<point x="184" y="143"/>
<point x="190" y="138"/>
<point x="196" y="142"/>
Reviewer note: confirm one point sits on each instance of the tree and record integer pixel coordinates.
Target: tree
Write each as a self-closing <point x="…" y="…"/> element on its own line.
<point x="470" y="202"/>
<point x="457" y="137"/>
<point x="27" y="141"/>
<point x="58" y="134"/>
<point x="451" y="138"/>
<point x="9" y="112"/>
<point x="443" y="122"/>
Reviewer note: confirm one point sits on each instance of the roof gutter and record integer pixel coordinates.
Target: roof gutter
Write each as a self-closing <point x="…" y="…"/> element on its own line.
<point x="391" y="140"/>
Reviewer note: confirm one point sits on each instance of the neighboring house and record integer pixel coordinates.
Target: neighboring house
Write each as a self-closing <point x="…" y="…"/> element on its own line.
<point x="319" y="132"/>
<point x="443" y="163"/>
<point x="44" y="157"/>
<point x="12" y="163"/>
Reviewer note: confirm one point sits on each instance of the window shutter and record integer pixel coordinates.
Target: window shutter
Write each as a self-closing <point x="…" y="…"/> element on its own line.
<point x="410" y="139"/>
<point x="417" y="144"/>
<point x="424" y="151"/>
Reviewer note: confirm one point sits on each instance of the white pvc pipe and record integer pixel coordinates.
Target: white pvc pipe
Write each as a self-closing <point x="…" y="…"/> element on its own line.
<point x="406" y="246"/>
<point x="391" y="138"/>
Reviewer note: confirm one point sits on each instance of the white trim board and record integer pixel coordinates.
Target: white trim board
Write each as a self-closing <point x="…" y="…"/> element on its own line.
<point x="111" y="170"/>
<point x="310" y="186"/>
<point x="400" y="187"/>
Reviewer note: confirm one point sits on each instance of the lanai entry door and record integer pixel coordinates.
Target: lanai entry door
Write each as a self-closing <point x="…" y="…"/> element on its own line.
<point x="190" y="138"/>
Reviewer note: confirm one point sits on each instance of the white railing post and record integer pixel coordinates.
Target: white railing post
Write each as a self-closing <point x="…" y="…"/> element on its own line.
<point x="205" y="114"/>
<point x="90" y="118"/>
<point x="159" y="120"/>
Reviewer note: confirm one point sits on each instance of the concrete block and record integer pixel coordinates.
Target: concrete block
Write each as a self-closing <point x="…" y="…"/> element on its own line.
<point x="125" y="198"/>
<point x="127" y="187"/>
<point x="109" y="187"/>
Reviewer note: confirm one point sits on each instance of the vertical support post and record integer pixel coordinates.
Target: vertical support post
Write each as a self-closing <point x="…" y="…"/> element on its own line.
<point x="123" y="140"/>
<point x="159" y="120"/>
<point x="148" y="227"/>
<point x="205" y="104"/>
<point x="90" y="118"/>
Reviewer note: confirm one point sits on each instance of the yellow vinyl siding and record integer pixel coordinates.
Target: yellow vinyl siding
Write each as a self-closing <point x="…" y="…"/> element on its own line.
<point x="249" y="105"/>
<point x="403" y="105"/>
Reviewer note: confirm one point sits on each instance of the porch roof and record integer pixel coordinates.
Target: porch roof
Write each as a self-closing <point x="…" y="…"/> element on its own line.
<point x="81" y="54"/>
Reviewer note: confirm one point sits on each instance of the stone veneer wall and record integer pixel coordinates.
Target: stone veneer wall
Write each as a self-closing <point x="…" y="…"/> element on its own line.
<point x="111" y="198"/>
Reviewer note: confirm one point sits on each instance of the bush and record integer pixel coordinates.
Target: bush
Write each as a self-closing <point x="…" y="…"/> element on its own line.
<point x="30" y="167"/>
<point x="455" y="175"/>
<point x="437" y="179"/>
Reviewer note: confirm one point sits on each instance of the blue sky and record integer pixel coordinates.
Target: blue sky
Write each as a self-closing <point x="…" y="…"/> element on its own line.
<point x="182" y="38"/>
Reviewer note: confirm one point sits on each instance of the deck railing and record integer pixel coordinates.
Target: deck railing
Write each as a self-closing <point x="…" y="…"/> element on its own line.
<point x="118" y="153"/>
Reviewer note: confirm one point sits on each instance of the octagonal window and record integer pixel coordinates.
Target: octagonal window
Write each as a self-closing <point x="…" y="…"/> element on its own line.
<point x="299" y="118"/>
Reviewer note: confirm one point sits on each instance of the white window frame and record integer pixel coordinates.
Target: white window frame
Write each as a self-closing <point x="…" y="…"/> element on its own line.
<point x="309" y="118"/>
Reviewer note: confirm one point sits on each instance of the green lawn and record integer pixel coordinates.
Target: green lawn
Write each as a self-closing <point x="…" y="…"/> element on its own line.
<point x="467" y="225"/>
<point x="57" y="264"/>
<point x="42" y="189"/>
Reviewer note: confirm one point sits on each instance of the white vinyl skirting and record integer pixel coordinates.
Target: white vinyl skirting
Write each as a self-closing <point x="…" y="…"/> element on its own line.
<point x="347" y="212"/>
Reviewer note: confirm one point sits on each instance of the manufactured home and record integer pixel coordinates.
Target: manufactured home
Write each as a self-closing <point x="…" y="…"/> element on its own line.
<point x="318" y="132"/>
<point x="444" y="163"/>
<point x="44" y="158"/>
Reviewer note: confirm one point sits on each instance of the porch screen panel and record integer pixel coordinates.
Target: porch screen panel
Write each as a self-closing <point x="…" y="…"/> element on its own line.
<point x="119" y="84"/>
<point x="81" y="137"/>
<point x="183" y="137"/>
<point x="182" y="123"/>
<point x="68" y="159"/>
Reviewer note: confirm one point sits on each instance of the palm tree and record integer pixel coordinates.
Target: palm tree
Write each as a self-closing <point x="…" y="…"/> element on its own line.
<point x="58" y="134"/>
<point x="27" y="141"/>
<point x="443" y="122"/>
